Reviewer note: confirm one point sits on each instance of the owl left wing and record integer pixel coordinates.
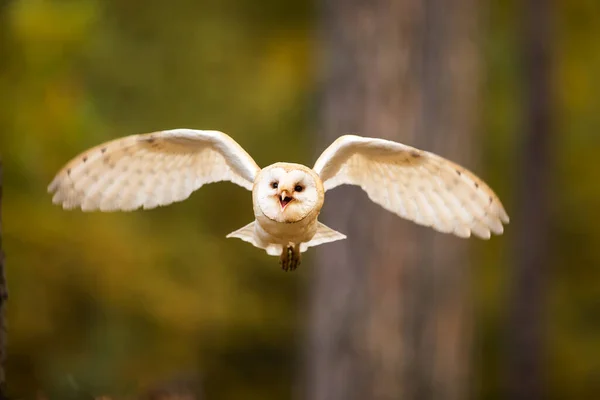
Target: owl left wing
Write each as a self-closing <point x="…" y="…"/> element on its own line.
<point x="414" y="184"/>
<point x="151" y="170"/>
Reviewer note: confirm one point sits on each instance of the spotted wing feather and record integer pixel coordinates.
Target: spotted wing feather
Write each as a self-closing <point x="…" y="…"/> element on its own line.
<point x="414" y="184"/>
<point x="150" y="170"/>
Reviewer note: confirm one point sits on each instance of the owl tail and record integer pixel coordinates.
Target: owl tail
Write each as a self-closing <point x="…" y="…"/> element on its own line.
<point x="324" y="235"/>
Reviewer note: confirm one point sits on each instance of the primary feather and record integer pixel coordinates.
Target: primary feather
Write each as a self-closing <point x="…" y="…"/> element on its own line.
<point x="414" y="184"/>
<point x="151" y="170"/>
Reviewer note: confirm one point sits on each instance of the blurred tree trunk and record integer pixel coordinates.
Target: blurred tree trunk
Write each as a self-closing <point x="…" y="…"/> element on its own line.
<point x="390" y="315"/>
<point x="527" y="317"/>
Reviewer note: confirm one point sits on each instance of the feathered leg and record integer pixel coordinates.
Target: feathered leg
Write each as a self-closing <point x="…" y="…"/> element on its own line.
<point x="290" y="257"/>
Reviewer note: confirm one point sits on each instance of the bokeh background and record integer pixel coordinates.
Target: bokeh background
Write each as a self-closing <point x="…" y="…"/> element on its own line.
<point x="115" y="304"/>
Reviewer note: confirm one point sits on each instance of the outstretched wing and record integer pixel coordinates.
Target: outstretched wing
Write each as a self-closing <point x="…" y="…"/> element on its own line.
<point x="150" y="170"/>
<point x="414" y="184"/>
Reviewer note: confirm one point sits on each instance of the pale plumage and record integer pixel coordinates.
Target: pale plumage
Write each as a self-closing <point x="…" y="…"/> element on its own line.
<point x="414" y="184"/>
<point x="156" y="169"/>
<point x="151" y="170"/>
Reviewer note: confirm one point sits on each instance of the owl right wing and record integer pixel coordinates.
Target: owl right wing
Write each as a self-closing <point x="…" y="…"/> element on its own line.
<point x="150" y="170"/>
<point x="414" y="184"/>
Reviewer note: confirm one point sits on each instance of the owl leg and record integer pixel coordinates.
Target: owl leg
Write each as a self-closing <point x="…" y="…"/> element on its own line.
<point x="290" y="257"/>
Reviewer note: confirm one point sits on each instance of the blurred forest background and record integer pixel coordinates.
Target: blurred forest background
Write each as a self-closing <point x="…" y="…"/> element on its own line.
<point x="114" y="304"/>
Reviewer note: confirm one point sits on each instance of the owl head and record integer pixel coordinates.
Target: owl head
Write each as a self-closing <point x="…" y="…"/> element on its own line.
<point x="287" y="192"/>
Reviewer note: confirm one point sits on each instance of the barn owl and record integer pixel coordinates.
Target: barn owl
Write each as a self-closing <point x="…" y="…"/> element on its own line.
<point x="160" y="168"/>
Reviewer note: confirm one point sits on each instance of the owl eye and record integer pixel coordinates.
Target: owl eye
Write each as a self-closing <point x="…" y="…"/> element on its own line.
<point x="298" y="188"/>
<point x="274" y="185"/>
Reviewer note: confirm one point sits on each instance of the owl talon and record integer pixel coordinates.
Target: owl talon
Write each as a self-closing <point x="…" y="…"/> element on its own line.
<point x="284" y="264"/>
<point x="290" y="258"/>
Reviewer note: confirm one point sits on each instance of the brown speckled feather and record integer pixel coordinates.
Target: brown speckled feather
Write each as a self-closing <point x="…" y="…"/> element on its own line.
<point x="414" y="184"/>
<point x="151" y="170"/>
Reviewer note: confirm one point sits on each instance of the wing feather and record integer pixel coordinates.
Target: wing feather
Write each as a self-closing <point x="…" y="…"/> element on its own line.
<point x="150" y="170"/>
<point x="414" y="184"/>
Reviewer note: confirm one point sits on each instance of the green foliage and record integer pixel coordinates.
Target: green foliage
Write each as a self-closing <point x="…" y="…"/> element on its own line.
<point x="113" y="302"/>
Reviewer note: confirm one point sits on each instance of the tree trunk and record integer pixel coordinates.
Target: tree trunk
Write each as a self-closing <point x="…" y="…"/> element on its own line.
<point x="527" y="317"/>
<point x="389" y="316"/>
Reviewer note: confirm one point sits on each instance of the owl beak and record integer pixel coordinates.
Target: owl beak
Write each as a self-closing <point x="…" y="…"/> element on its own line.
<point x="285" y="199"/>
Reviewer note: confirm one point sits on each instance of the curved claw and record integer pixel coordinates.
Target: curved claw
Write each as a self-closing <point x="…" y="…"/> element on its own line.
<point x="290" y="258"/>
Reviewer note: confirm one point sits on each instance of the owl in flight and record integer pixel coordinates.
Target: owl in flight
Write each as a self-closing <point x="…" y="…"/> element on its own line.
<point x="160" y="168"/>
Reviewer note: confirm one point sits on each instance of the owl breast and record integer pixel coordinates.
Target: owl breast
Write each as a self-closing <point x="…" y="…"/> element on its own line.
<point x="270" y="231"/>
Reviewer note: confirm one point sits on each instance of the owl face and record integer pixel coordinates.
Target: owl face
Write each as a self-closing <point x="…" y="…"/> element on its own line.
<point x="288" y="192"/>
